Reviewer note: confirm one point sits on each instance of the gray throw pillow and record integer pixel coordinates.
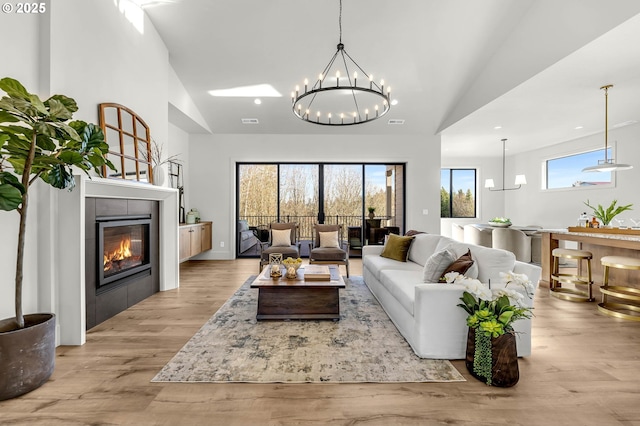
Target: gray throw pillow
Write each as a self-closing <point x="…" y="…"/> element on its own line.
<point x="436" y="264"/>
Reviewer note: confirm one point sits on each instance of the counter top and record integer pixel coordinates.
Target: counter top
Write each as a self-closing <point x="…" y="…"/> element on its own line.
<point x="604" y="235"/>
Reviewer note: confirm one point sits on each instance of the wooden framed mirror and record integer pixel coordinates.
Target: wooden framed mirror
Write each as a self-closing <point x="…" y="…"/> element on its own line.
<point x="129" y="142"/>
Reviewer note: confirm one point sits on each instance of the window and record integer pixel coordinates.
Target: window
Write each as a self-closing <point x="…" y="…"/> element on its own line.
<point x="458" y="193"/>
<point x="566" y="172"/>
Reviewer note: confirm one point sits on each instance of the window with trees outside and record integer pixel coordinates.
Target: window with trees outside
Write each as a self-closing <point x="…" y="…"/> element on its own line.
<point x="458" y="193"/>
<point x="566" y="172"/>
<point x="309" y="193"/>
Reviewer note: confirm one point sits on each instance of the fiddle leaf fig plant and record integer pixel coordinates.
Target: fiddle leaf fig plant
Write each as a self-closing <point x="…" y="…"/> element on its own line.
<point x="38" y="142"/>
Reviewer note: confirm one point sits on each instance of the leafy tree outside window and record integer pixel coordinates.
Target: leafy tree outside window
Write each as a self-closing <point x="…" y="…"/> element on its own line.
<point x="458" y="193"/>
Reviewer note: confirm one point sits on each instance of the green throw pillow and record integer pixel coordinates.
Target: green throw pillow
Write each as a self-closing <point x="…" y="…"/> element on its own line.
<point x="397" y="247"/>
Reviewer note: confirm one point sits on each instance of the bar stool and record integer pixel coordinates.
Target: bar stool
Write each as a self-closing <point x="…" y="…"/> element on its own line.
<point x="631" y="294"/>
<point x="571" y="294"/>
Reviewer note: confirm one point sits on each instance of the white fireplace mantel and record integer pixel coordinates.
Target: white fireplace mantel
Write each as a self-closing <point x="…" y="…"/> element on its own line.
<point x="68" y="284"/>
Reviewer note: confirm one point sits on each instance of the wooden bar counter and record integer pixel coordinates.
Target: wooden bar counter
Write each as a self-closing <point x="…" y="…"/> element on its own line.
<point x="600" y="242"/>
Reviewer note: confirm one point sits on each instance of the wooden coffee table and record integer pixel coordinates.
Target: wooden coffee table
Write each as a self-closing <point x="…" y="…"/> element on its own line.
<point x="284" y="298"/>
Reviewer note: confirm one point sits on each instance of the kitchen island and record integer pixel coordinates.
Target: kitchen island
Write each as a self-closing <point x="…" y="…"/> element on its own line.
<point x="600" y="242"/>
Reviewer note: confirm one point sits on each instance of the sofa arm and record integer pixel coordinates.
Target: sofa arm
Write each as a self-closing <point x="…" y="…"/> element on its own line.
<point x="533" y="272"/>
<point x="372" y="250"/>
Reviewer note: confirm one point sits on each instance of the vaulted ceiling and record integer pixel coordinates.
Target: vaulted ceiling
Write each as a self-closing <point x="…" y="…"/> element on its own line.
<point x="457" y="67"/>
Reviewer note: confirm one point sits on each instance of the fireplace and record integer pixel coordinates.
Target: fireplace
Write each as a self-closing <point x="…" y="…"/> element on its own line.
<point x="123" y="248"/>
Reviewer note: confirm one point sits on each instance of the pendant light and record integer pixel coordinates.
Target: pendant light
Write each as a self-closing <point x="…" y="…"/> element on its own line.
<point x="520" y="179"/>
<point x="352" y="99"/>
<point x="607" y="165"/>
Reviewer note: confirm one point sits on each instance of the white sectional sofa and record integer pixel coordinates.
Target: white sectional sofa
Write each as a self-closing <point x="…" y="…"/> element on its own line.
<point x="426" y="314"/>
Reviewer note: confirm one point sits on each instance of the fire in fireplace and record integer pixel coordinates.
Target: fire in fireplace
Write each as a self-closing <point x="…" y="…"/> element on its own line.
<point x="123" y="247"/>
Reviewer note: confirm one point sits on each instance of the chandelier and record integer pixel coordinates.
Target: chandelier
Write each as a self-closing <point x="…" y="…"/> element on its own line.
<point x="606" y="165"/>
<point x="339" y="97"/>
<point x="520" y="179"/>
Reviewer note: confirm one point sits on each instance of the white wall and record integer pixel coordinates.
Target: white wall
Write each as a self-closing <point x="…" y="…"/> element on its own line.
<point x="179" y="145"/>
<point x="23" y="65"/>
<point x="561" y="208"/>
<point x="94" y="55"/>
<point x="212" y="160"/>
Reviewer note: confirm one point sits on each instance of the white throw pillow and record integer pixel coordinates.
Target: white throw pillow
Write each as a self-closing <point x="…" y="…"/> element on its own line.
<point x="280" y="237"/>
<point x="329" y="239"/>
<point x="436" y="264"/>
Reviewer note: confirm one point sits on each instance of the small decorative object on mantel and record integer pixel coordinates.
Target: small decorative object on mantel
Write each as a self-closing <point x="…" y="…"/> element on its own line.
<point x="491" y="346"/>
<point x="605" y="216"/>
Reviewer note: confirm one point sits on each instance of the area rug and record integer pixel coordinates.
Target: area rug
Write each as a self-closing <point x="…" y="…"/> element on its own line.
<point x="363" y="346"/>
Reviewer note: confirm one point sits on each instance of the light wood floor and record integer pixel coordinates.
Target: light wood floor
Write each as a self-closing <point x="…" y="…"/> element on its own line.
<point x="585" y="370"/>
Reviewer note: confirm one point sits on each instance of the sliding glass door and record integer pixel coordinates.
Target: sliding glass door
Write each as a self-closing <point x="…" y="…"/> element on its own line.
<point x="309" y="193"/>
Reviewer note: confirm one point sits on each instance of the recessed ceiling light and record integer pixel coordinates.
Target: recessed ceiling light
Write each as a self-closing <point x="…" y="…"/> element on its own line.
<point x="249" y="121"/>
<point x="577" y="128"/>
<point x="257" y="101"/>
<point x="394" y="102"/>
<point x="259" y="90"/>
<point x="497" y="128"/>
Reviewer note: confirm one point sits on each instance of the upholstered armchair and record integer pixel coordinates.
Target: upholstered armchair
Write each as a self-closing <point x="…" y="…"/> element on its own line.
<point x="328" y="245"/>
<point x="477" y="236"/>
<point x="513" y="240"/>
<point x="283" y="238"/>
<point x="246" y="237"/>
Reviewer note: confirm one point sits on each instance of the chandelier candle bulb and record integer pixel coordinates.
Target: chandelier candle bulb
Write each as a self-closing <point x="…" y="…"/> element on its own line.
<point x="366" y="114"/>
<point x="306" y="83"/>
<point x="355" y="78"/>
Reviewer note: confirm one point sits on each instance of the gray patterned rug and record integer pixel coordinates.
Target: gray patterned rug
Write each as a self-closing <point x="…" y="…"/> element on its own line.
<point x="364" y="346"/>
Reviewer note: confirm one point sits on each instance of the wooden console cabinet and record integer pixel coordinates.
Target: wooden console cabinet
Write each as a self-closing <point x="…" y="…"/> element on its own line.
<point x="194" y="239"/>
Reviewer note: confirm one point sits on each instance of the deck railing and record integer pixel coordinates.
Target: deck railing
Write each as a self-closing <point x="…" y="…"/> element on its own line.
<point x="306" y="223"/>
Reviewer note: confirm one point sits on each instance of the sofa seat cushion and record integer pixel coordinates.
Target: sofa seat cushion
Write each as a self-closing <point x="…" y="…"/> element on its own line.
<point x="376" y="264"/>
<point x="402" y="285"/>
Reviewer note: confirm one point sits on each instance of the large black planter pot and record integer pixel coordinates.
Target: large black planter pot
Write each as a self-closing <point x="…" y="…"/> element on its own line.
<point x="504" y="357"/>
<point x="27" y="356"/>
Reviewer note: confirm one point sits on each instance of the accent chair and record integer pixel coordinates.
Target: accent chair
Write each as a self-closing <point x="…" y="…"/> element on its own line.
<point x="283" y="238"/>
<point x="328" y="245"/>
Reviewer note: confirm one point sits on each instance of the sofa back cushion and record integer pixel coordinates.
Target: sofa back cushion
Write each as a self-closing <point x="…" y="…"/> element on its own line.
<point x="490" y="261"/>
<point x="423" y="246"/>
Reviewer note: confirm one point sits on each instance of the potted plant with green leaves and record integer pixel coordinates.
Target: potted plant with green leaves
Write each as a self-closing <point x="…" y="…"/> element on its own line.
<point x="605" y="216"/>
<point x="372" y="212"/>
<point x="38" y="143"/>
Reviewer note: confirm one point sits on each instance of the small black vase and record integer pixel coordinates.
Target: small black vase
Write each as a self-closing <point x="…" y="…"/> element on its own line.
<point x="504" y="357"/>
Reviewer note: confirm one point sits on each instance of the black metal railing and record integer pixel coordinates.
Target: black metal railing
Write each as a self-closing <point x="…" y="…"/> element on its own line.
<point x="305" y="223"/>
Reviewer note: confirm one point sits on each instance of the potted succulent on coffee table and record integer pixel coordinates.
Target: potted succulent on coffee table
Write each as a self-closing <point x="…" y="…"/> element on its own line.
<point x="37" y="143"/>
